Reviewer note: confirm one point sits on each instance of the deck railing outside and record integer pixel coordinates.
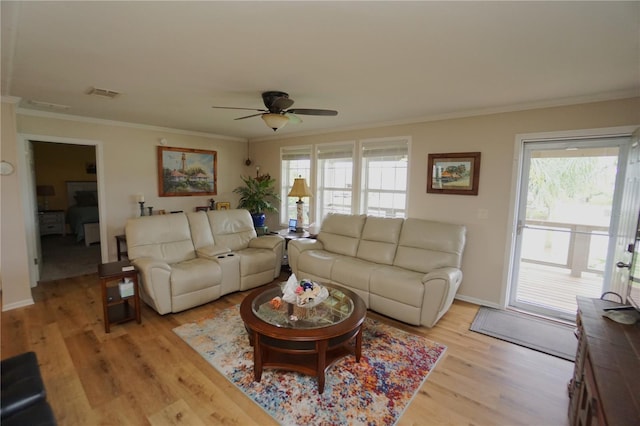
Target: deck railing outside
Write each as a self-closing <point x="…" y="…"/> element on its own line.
<point x="560" y="261"/>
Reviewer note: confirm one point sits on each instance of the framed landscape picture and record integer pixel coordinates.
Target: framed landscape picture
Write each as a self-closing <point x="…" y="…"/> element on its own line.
<point x="454" y="173"/>
<point x="186" y="172"/>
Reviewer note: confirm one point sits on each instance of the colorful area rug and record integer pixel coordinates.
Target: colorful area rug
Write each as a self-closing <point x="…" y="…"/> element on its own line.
<point x="377" y="390"/>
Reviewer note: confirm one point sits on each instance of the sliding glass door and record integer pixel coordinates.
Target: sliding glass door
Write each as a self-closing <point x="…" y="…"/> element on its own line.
<point x="566" y="214"/>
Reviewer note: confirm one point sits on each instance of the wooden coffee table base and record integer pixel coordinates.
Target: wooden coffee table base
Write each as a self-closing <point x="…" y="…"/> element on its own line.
<point x="313" y="358"/>
<point x="307" y="350"/>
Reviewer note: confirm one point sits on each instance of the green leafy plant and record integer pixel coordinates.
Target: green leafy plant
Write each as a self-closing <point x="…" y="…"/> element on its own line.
<point x="258" y="194"/>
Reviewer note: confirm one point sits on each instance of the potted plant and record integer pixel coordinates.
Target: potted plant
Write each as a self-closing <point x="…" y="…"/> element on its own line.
<point x="258" y="195"/>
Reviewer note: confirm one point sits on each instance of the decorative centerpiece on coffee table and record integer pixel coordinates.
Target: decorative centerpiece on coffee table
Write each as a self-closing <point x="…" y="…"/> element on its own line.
<point x="303" y="295"/>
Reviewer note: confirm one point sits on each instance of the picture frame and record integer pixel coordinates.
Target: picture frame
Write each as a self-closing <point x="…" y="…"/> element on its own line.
<point x="223" y="205"/>
<point x="184" y="172"/>
<point x="453" y="173"/>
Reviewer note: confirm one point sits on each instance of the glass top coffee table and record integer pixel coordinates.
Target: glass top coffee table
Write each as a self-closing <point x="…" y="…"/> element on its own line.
<point x="306" y="340"/>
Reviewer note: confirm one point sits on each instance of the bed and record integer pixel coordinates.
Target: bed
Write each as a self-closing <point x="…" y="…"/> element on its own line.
<point x="82" y="202"/>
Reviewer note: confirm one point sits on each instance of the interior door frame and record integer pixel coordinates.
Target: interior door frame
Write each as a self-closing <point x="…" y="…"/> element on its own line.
<point x="516" y="182"/>
<point x="27" y="187"/>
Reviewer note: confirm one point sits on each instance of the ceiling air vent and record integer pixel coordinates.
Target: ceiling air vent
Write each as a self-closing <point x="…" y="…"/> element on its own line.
<point x="105" y="93"/>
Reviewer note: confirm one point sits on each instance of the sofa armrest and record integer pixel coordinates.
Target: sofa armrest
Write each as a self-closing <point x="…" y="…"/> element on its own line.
<point x="297" y="247"/>
<point x="303" y="244"/>
<point x="441" y="286"/>
<point x="275" y="243"/>
<point x="156" y="283"/>
<point x="212" y="251"/>
<point x="266" y="241"/>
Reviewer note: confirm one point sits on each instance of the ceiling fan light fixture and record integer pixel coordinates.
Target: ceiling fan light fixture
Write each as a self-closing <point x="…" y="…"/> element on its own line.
<point x="275" y="121"/>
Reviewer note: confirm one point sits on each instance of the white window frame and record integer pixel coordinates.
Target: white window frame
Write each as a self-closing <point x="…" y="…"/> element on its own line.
<point x="287" y="174"/>
<point x="324" y="152"/>
<point x="314" y="209"/>
<point x="377" y="148"/>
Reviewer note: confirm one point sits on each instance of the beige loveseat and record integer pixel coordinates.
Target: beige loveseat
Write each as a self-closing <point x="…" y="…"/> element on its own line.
<point x="407" y="269"/>
<point x="186" y="260"/>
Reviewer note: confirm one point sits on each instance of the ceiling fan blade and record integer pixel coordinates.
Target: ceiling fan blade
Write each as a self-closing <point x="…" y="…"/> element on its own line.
<point x="248" y="116"/>
<point x="293" y="119"/>
<point x="303" y="111"/>
<point x="246" y="109"/>
<point x="280" y="104"/>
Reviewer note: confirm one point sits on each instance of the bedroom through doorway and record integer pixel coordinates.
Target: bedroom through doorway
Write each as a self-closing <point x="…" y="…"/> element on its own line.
<point x="67" y="221"/>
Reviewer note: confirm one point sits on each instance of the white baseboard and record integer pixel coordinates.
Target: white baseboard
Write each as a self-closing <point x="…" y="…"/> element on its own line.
<point x="16" y="305"/>
<point x="479" y="302"/>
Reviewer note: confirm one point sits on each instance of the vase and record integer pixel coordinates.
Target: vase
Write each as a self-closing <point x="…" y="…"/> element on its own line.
<point x="258" y="219"/>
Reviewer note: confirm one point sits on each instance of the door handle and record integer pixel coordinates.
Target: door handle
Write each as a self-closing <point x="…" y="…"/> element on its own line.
<point x="623" y="265"/>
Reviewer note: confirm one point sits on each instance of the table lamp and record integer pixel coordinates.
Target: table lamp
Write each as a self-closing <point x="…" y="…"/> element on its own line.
<point x="45" y="191"/>
<point x="300" y="189"/>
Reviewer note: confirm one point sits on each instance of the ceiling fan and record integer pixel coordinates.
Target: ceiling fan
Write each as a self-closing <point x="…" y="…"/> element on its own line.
<point x="276" y="116"/>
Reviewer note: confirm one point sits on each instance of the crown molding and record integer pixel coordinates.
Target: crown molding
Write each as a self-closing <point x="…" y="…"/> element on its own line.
<point x="576" y="100"/>
<point x="104" y="122"/>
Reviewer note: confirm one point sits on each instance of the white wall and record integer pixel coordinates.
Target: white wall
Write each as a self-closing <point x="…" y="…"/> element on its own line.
<point x="129" y="159"/>
<point x="14" y="268"/>
<point x="494" y="136"/>
<point x="130" y="167"/>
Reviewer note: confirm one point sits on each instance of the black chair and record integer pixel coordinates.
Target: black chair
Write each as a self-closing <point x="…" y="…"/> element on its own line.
<point x="23" y="398"/>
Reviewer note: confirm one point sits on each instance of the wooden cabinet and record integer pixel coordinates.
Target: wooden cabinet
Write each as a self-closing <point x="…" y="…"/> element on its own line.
<point x="51" y="222"/>
<point x="605" y="388"/>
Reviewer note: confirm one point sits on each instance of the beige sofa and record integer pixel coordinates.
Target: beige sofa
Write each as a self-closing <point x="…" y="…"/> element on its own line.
<point x="407" y="269"/>
<point x="186" y="260"/>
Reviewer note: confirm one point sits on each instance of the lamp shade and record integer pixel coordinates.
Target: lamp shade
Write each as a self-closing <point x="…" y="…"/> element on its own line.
<point x="300" y="188"/>
<point x="275" y="121"/>
<point x="45" y="190"/>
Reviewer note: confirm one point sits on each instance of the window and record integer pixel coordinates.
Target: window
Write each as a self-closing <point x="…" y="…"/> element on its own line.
<point x="384" y="178"/>
<point x="334" y="187"/>
<point x="294" y="162"/>
<point x="377" y="169"/>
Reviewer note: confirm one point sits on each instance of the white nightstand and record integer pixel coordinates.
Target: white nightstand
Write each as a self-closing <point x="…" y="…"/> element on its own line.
<point x="52" y="222"/>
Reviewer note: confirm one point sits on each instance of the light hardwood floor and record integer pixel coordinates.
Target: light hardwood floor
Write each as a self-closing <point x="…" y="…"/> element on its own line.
<point x="144" y="374"/>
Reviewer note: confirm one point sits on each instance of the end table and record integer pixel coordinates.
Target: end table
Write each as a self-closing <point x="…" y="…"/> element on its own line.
<point x="121" y="240"/>
<point x="118" y="309"/>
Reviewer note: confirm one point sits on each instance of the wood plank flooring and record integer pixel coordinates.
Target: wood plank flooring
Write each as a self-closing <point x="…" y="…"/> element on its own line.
<point x="554" y="287"/>
<point x="143" y="374"/>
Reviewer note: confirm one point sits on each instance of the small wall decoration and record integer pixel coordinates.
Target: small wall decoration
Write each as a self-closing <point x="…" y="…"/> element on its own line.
<point x="223" y="205"/>
<point x="186" y="172"/>
<point x="454" y="173"/>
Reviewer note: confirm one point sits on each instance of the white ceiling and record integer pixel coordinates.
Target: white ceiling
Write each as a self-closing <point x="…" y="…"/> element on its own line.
<point x="374" y="62"/>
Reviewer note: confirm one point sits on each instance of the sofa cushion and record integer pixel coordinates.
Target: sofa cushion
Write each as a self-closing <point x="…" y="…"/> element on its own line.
<point x="427" y="245"/>
<point x="379" y="239"/>
<point x="317" y="262"/>
<point x="193" y="275"/>
<point x="340" y="233"/>
<point x="200" y="230"/>
<point x="398" y="284"/>
<point x="231" y="228"/>
<point x="165" y="237"/>
<point x="255" y="260"/>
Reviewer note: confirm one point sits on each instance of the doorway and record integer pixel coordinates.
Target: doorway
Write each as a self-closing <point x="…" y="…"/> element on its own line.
<point x="63" y="253"/>
<point x="31" y="200"/>
<point x="568" y="208"/>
